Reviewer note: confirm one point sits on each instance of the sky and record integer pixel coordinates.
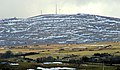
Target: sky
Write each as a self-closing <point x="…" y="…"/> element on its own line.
<point x="28" y="8"/>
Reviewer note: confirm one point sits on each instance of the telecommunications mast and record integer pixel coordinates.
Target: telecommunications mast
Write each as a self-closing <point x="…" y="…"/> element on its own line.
<point x="56" y="9"/>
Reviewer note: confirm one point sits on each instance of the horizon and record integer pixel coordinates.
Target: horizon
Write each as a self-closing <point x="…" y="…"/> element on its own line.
<point x="58" y="14"/>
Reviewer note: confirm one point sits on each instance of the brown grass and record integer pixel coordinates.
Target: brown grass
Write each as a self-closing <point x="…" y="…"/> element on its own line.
<point x="53" y="49"/>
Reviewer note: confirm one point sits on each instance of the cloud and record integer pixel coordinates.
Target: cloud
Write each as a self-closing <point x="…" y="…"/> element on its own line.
<point x="26" y="8"/>
<point x="100" y="7"/>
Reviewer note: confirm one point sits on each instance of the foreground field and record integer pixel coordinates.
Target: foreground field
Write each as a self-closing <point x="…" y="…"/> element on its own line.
<point x="62" y="50"/>
<point x="78" y="56"/>
<point x="26" y="66"/>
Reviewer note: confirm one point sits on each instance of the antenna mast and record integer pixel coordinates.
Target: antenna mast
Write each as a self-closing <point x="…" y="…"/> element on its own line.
<point x="56" y="9"/>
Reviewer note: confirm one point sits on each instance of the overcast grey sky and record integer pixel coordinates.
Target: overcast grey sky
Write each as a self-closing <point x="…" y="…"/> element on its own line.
<point x="27" y="8"/>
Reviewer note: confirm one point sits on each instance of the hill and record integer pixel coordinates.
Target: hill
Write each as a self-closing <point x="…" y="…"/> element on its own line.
<point x="59" y="29"/>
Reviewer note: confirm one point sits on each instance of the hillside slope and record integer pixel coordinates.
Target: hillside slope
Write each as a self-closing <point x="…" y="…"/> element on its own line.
<point x="59" y="29"/>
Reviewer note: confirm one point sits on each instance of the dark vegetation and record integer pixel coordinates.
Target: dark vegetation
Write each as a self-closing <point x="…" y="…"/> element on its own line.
<point x="73" y="61"/>
<point x="9" y="54"/>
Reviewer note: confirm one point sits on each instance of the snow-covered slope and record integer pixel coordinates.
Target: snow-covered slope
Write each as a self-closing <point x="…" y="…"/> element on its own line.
<point x="62" y="29"/>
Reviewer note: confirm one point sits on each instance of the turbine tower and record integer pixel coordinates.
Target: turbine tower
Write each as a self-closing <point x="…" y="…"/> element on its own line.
<point x="41" y="12"/>
<point x="59" y="11"/>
